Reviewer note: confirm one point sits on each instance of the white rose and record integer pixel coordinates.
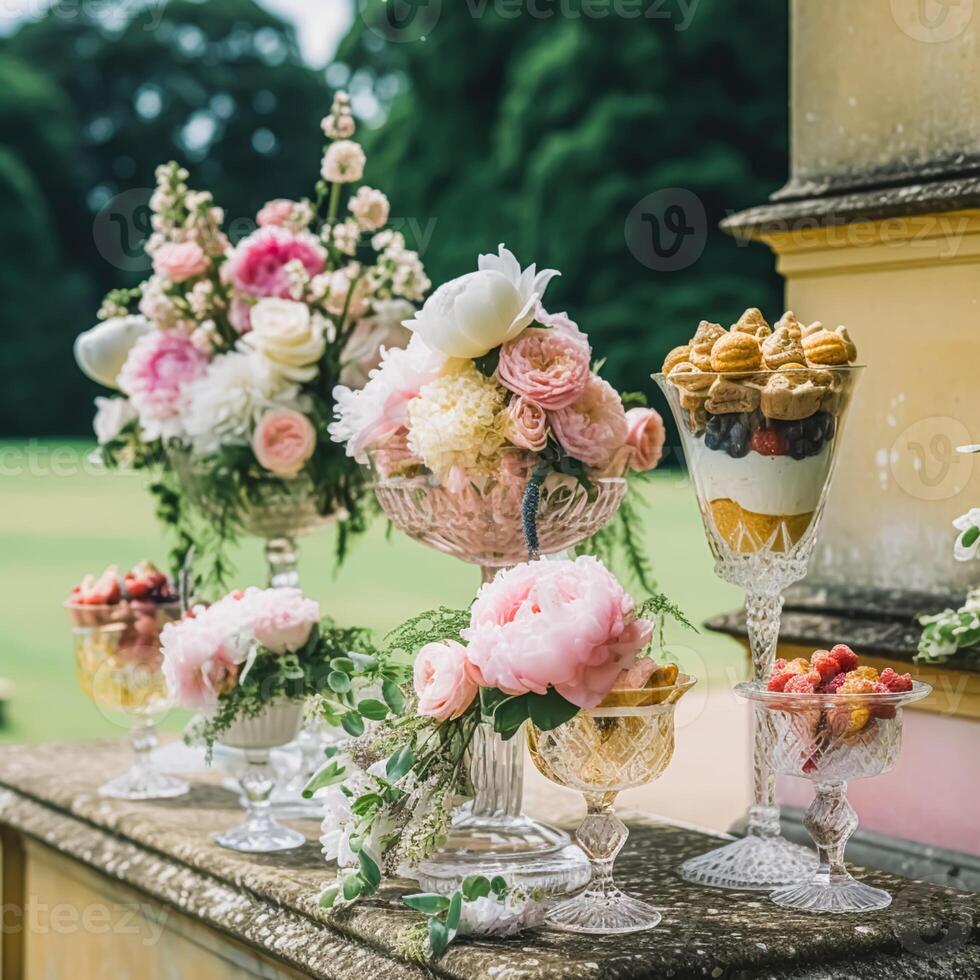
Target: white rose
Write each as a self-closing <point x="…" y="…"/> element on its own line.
<point x="102" y="351"/>
<point x="288" y="337"/>
<point x="471" y="315"/>
<point x="112" y="415"/>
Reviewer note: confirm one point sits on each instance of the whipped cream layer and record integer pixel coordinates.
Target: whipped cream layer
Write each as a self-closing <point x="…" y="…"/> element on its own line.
<point x="762" y="484"/>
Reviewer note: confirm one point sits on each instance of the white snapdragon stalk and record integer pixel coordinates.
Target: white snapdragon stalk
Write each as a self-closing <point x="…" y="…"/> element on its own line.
<point x="471" y="315"/>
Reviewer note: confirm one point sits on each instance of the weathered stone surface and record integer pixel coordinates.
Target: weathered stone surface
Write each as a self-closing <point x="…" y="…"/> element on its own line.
<point x="164" y="849"/>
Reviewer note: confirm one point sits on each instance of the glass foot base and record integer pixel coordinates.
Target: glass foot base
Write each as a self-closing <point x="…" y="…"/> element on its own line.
<point x="140" y="783"/>
<point x="259" y="837"/>
<point x="609" y="913"/>
<point x="522" y="850"/>
<point x="830" y="895"/>
<point x="751" y="863"/>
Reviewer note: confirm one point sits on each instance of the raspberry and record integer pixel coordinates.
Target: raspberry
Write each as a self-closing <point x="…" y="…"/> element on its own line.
<point x="832" y="684"/>
<point x="803" y="683"/>
<point x="896" y="682"/>
<point x="779" y="665"/>
<point x="782" y="671"/>
<point x="769" y="442"/>
<point x="824" y="664"/>
<point x="145" y="580"/>
<point x="779" y="680"/>
<point x="882" y="710"/>
<point x="103" y="591"/>
<point x="846" y="658"/>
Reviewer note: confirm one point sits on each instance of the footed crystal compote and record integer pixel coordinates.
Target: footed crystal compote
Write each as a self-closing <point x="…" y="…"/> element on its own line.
<point x="760" y="449"/>
<point x="480" y="522"/>
<point x="119" y="666"/>
<point x="830" y="739"/>
<point x="628" y="741"/>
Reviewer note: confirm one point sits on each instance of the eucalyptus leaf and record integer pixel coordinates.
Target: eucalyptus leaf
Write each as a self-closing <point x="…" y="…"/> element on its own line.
<point x="428" y="903"/>
<point x="455" y="909"/>
<point x="373" y="710"/>
<point x="475" y="887"/>
<point x="400" y="763"/>
<point x="370" y="872"/>
<point x="353" y="724"/>
<point x="439" y="937"/>
<point x="338" y="681"/>
<point x="393" y="696"/>
<point x="329" y="775"/>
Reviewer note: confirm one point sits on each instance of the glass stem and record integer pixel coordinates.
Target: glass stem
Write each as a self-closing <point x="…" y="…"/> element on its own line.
<point x="497" y="774"/>
<point x="257" y="782"/>
<point x="830" y="821"/>
<point x="282" y="559"/>
<point x="602" y="836"/>
<point x="143" y="738"/>
<point x="762" y="615"/>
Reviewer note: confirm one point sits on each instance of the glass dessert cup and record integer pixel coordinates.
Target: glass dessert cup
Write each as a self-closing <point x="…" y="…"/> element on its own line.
<point x="119" y="666"/>
<point x="830" y="739"/>
<point x="480" y="523"/>
<point x="277" y="724"/>
<point x="628" y="741"/>
<point x="761" y="476"/>
<point x="280" y="511"/>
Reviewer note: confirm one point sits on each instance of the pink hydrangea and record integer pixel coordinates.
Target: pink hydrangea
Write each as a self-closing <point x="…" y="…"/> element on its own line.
<point x="562" y="624"/>
<point x="645" y="437"/>
<point x="547" y="367"/>
<point x="593" y="428"/>
<point x="157" y="377"/>
<point x="258" y="264"/>
<point x="443" y="680"/>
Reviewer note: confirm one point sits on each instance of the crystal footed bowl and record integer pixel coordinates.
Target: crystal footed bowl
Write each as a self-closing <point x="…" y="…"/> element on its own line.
<point x="761" y="450"/>
<point x="830" y="739"/>
<point x="479" y="519"/>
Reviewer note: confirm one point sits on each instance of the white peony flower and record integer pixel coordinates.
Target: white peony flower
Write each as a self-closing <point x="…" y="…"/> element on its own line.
<point x="362" y="353"/>
<point x="227" y="402"/>
<point x="967" y="544"/>
<point x="370" y="208"/>
<point x="102" y="351"/>
<point x="288" y="337"/>
<point x="112" y="415"/>
<point x="343" y="163"/>
<point x="471" y="315"/>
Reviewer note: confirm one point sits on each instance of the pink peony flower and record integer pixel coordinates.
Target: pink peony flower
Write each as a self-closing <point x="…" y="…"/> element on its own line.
<point x="157" y="376"/>
<point x="593" y="428"/>
<point x="562" y="624"/>
<point x="443" y="681"/>
<point x="283" y="441"/>
<point x="548" y="367"/>
<point x="199" y="664"/>
<point x="559" y="321"/>
<point x="180" y="261"/>
<point x="285" y="620"/>
<point x="646" y="437"/>
<point x="527" y="424"/>
<point x="258" y="264"/>
<point x="278" y="213"/>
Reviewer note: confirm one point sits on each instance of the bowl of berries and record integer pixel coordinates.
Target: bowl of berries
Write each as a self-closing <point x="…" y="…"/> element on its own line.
<point x="116" y="622"/>
<point x="831" y="720"/>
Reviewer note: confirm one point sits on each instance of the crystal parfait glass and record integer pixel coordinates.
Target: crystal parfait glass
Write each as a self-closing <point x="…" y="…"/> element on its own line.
<point x="119" y="664"/>
<point x="830" y="739"/>
<point x="761" y="451"/>
<point x="479" y="521"/>
<point x="627" y="741"/>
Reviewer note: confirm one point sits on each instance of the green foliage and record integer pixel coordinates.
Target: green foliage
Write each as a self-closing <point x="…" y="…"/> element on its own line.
<point x="947" y="633"/>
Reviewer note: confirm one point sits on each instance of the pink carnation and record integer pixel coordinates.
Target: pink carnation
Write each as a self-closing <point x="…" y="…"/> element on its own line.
<point x="156" y="377"/>
<point x="562" y="624"/>
<point x="443" y="680"/>
<point x="646" y="438"/>
<point x="283" y="441"/>
<point x="258" y="264"/>
<point x="284" y="620"/>
<point x="527" y="424"/>
<point x="180" y="261"/>
<point x="548" y="367"/>
<point x="593" y="428"/>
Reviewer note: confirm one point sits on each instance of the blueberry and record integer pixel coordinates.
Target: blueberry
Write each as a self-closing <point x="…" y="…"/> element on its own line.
<point x="738" y="441"/>
<point x="829" y="427"/>
<point x="800" y="449"/>
<point x="712" y="440"/>
<point x="793" y="431"/>
<point x="813" y="427"/>
<point x="815" y="447"/>
<point x="715" y="424"/>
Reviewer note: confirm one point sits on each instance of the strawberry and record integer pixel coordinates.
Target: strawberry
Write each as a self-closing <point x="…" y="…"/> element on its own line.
<point x="779" y="680"/>
<point x="103" y="591"/>
<point x="145" y="580"/>
<point x="769" y="442"/>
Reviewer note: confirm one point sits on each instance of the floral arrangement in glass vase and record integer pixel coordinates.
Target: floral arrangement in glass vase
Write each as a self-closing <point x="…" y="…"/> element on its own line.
<point x="497" y="403"/>
<point x="541" y="642"/>
<point x="226" y="356"/>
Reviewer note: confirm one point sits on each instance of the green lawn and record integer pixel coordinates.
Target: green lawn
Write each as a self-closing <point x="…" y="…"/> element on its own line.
<point x="62" y="517"/>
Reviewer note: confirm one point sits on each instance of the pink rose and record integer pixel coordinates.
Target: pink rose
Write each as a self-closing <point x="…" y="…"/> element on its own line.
<point x="562" y="624"/>
<point x="258" y="264"/>
<point x="276" y="213"/>
<point x="180" y="261"/>
<point x="593" y="428"/>
<point x="646" y="437"/>
<point x="528" y="426"/>
<point x="548" y="367"/>
<point x="283" y="441"/>
<point x="443" y="681"/>
<point x="285" y="620"/>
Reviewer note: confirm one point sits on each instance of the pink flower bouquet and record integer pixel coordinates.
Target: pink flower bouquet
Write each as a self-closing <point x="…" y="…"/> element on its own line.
<point x="225" y="366"/>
